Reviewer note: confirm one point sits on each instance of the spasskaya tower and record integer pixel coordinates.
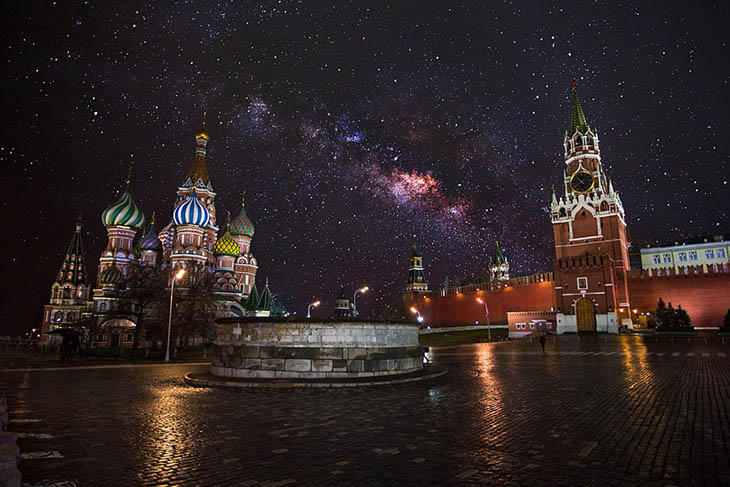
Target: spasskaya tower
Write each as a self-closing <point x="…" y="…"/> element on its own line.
<point x="591" y="247"/>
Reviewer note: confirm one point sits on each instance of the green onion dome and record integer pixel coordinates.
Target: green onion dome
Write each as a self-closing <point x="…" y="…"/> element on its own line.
<point x="111" y="275"/>
<point x="226" y="246"/>
<point x="241" y="225"/>
<point x="123" y="213"/>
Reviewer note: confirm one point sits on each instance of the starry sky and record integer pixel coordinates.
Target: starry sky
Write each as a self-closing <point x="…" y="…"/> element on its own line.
<point x="357" y="129"/>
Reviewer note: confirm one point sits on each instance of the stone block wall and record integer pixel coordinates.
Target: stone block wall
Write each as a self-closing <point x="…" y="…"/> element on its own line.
<point x="251" y="348"/>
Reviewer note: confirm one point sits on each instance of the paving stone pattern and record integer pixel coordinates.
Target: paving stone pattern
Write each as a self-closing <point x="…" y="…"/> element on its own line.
<point x="621" y="412"/>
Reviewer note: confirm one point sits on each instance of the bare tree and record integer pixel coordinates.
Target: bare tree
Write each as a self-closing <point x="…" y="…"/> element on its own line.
<point x="145" y="296"/>
<point x="194" y="315"/>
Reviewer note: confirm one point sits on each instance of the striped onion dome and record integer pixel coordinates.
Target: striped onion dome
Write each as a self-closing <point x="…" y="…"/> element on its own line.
<point x="241" y="225"/>
<point x="111" y="275"/>
<point x="191" y="212"/>
<point x="123" y="213"/>
<point x="150" y="241"/>
<point x="226" y="246"/>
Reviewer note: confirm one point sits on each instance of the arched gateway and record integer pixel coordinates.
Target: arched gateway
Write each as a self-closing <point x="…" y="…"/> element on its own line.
<point x="585" y="315"/>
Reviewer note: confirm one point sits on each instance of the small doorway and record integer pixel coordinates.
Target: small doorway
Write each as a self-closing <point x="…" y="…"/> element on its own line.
<point x="585" y="315"/>
<point x="115" y="340"/>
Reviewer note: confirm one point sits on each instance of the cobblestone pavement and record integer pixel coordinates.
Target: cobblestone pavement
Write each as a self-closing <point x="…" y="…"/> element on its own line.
<point x="599" y="411"/>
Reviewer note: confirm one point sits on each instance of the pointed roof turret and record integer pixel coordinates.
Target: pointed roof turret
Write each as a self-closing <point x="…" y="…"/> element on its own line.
<point x="555" y="199"/>
<point x="253" y="298"/>
<point x="499" y="257"/>
<point x="265" y="301"/>
<point x="72" y="268"/>
<point x="415" y="252"/>
<point x="578" y="120"/>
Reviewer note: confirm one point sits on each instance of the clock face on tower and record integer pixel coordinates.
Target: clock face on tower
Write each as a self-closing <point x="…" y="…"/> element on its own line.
<point x="581" y="181"/>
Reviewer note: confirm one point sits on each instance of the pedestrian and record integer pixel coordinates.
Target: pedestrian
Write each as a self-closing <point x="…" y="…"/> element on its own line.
<point x="425" y="356"/>
<point x="542" y="343"/>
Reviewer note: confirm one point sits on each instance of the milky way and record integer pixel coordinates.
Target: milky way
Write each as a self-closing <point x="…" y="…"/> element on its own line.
<point x="357" y="129"/>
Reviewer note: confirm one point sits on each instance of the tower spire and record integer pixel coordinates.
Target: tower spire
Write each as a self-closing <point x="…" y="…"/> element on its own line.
<point x="128" y="182"/>
<point x="578" y="119"/>
<point x="198" y="172"/>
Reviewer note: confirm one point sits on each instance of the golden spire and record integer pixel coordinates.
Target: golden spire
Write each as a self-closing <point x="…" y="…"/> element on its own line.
<point x="243" y="198"/>
<point x="228" y="219"/>
<point x="129" y="176"/>
<point x="152" y="220"/>
<point x="202" y="134"/>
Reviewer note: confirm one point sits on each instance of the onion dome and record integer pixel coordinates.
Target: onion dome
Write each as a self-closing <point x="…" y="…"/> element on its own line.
<point x="123" y="213"/>
<point x="111" y="275"/>
<point x="191" y="212"/>
<point x="226" y="246"/>
<point x="150" y="240"/>
<point x="242" y="225"/>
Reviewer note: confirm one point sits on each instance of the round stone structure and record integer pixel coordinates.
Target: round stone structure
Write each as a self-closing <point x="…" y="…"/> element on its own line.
<point x="280" y="348"/>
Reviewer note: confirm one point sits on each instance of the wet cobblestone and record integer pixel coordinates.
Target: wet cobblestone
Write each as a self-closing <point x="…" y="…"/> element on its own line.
<point x="594" y="412"/>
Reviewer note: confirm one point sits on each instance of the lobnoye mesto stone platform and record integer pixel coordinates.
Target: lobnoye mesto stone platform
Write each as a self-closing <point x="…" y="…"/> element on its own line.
<point x="314" y="349"/>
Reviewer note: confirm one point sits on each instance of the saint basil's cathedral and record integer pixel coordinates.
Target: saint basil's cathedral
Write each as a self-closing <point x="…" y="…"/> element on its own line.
<point x="189" y="239"/>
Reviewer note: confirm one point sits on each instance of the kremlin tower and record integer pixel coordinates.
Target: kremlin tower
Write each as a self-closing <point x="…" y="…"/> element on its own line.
<point x="498" y="266"/>
<point x="589" y="226"/>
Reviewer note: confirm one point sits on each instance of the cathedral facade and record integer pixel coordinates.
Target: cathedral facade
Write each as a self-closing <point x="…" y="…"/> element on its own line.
<point x="191" y="239"/>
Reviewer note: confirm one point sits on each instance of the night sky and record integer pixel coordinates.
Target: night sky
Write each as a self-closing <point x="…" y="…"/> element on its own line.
<point x="357" y="129"/>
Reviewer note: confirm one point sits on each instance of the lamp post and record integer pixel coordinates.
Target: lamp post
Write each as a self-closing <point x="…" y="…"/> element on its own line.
<point x="309" y="308"/>
<point x="179" y="275"/>
<point x="354" y="299"/>
<point x="419" y="318"/>
<point x="486" y="310"/>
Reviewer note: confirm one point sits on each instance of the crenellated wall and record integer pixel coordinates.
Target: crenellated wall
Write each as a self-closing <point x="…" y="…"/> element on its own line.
<point x="704" y="295"/>
<point x="459" y="306"/>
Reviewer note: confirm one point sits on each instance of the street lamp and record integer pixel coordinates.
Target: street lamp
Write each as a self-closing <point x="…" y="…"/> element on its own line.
<point x="354" y="299"/>
<point x="309" y="308"/>
<point x="419" y="318"/>
<point x="179" y="275"/>
<point x="486" y="310"/>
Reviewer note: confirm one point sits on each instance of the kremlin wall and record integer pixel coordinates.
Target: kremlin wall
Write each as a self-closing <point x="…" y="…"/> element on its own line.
<point x="705" y="296"/>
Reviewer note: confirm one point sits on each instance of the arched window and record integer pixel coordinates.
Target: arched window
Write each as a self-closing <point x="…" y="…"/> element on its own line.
<point x="66" y="293"/>
<point x="55" y="292"/>
<point x="102" y="306"/>
<point x="71" y="316"/>
<point x="57" y="316"/>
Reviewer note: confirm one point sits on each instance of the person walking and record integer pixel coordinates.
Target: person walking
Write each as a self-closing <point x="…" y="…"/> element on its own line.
<point x="542" y="343"/>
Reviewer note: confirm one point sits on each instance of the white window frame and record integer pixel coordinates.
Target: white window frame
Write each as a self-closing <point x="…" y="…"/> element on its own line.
<point x="693" y="255"/>
<point x="585" y="283"/>
<point x="667" y="258"/>
<point x="682" y="256"/>
<point x="720" y="253"/>
<point x="710" y="254"/>
<point x="656" y="259"/>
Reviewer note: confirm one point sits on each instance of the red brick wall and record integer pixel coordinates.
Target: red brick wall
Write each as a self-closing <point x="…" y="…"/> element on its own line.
<point x="463" y="309"/>
<point x="706" y="297"/>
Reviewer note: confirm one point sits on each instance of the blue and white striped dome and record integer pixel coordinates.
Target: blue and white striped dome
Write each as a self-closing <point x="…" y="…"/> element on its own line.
<point x="191" y="212"/>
